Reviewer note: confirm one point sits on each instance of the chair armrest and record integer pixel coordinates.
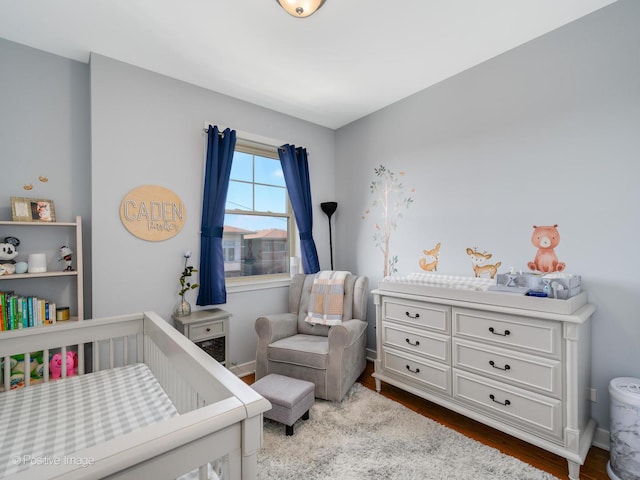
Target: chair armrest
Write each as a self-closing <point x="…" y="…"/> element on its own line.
<point x="347" y="332"/>
<point x="274" y="327"/>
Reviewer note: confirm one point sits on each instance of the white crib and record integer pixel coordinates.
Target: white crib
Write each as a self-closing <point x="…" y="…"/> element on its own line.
<point x="219" y="416"/>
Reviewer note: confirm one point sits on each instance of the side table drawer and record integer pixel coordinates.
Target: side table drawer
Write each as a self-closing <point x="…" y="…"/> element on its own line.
<point x="209" y="330"/>
<point x="206" y="330"/>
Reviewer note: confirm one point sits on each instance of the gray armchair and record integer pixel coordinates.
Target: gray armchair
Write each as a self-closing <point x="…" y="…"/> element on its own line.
<point x="331" y="357"/>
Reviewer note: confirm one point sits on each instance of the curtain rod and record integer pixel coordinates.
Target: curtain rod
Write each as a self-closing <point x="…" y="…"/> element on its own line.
<point x="206" y="130"/>
<point x="241" y="140"/>
<point x="221" y="133"/>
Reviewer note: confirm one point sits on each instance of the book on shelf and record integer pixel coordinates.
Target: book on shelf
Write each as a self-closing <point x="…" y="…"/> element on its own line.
<point x="20" y="311"/>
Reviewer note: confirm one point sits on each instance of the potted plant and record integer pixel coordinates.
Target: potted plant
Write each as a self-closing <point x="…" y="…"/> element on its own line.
<point x="183" y="307"/>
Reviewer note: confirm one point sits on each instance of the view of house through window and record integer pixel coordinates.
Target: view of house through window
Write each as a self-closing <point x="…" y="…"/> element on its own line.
<point x="258" y="219"/>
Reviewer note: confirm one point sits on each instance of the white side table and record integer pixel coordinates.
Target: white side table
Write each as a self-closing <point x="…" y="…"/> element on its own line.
<point x="208" y="329"/>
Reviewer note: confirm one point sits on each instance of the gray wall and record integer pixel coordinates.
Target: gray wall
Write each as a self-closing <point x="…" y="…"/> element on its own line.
<point x="548" y="133"/>
<point x="44" y="131"/>
<point x="147" y="129"/>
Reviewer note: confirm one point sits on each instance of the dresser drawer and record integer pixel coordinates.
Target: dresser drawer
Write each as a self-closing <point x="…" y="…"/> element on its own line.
<point x="523" y="333"/>
<point x="526" y="410"/>
<point x="419" y="314"/>
<point x="206" y="330"/>
<point x="417" y="341"/>
<point x="435" y="376"/>
<point x="526" y="371"/>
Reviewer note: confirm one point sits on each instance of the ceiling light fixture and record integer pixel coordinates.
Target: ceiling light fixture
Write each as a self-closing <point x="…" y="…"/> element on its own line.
<point x="300" y="8"/>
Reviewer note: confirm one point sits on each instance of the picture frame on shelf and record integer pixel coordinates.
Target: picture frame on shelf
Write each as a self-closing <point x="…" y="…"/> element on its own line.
<point x="32" y="210"/>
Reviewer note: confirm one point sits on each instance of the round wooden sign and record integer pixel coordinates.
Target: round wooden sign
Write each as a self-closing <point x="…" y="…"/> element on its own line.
<point x="152" y="213"/>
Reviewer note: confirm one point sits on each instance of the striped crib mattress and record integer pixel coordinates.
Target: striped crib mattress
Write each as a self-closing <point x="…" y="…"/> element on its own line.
<point x="49" y="422"/>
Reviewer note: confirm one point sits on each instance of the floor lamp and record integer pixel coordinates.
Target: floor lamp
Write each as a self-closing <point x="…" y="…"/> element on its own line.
<point x="329" y="208"/>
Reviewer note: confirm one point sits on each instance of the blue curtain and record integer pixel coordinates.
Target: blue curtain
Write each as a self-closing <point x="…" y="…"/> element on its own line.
<point x="220" y="149"/>
<point x="295" y="167"/>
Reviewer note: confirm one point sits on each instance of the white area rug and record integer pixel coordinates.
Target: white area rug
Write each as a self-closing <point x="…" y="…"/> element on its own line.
<point x="368" y="436"/>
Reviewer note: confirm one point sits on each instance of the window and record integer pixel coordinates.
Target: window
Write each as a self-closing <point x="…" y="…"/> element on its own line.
<point x="258" y="222"/>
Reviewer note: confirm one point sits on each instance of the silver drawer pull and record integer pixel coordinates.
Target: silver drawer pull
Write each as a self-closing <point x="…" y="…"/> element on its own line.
<point x="417" y="370"/>
<point x="417" y="315"/>
<point x="506" y="367"/>
<point x="506" y="332"/>
<point x="413" y="344"/>
<point x="493" y="399"/>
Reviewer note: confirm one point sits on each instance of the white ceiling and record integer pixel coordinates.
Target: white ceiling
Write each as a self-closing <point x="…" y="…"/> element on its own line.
<point x="349" y="59"/>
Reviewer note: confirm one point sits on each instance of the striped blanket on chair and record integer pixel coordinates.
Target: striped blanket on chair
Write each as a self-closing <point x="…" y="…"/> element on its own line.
<point x="326" y="302"/>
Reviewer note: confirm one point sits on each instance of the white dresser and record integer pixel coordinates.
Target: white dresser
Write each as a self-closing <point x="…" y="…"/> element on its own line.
<point x="519" y="364"/>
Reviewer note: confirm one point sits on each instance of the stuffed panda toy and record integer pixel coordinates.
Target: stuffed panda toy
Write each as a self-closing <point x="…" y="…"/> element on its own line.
<point x="8" y="253"/>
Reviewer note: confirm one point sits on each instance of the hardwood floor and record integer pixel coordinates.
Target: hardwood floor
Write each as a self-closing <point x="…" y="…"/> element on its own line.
<point x="593" y="469"/>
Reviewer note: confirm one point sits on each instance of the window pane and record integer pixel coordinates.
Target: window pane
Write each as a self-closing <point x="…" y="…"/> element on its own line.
<point x="241" y="167"/>
<point x="255" y="245"/>
<point x="271" y="199"/>
<point x="268" y="171"/>
<point x="239" y="196"/>
<point x="228" y="250"/>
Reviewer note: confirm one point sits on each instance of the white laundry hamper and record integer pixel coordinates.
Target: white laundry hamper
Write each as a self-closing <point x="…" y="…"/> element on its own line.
<point x="624" y="429"/>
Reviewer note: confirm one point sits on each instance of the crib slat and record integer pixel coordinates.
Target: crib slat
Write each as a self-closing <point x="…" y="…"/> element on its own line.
<point x="27" y="369"/>
<point x="45" y="358"/>
<point x="7" y="374"/>
<point x="96" y="356"/>
<point x="139" y="348"/>
<point x="63" y="353"/>
<point x="81" y="359"/>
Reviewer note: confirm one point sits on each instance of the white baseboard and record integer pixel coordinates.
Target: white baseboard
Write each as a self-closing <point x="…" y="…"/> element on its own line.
<point x="371" y="355"/>
<point x="601" y="439"/>
<point x="243" y="369"/>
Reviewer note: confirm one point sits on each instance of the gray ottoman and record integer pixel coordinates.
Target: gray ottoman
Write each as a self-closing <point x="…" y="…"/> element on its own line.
<point x="290" y="398"/>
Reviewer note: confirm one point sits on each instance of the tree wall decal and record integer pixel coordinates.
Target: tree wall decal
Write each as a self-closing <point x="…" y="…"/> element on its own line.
<point x="390" y="197"/>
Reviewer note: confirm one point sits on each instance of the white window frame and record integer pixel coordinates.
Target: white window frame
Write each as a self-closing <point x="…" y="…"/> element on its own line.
<point x="248" y="283"/>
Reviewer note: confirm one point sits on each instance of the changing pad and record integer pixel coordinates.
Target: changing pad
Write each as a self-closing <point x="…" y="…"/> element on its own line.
<point x="446" y="281"/>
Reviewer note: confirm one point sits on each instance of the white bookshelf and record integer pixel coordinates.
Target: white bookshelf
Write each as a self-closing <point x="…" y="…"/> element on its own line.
<point x="36" y="237"/>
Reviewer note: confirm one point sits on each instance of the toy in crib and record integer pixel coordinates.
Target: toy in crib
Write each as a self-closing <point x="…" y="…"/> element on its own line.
<point x="17" y="369"/>
<point x="55" y="365"/>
